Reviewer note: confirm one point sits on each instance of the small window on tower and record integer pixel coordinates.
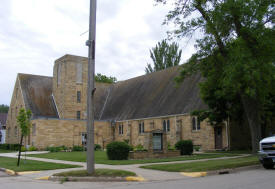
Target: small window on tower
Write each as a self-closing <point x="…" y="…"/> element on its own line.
<point x="78" y="96"/>
<point x="78" y="115"/>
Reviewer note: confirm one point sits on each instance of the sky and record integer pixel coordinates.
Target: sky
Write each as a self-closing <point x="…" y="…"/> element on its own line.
<point x="34" y="33"/>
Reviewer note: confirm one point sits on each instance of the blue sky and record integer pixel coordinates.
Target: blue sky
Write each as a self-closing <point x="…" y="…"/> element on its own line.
<point x="34" y="33"/>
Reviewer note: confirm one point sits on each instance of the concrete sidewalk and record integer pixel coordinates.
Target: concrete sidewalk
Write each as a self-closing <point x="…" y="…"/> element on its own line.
<point x="150" y="175"/>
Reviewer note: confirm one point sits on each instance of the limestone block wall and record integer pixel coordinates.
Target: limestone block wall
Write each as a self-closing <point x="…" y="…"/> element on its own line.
<point x="12" y="128"/>
<point x="180" y="129"/>
<point x="57" y="132"/>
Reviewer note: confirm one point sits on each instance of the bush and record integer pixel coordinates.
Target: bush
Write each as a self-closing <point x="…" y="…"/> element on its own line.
<point x="23" y="149"/>
<point x="53" y="149"/>
<point x="4" y="146"/>
<point x="97" y="147"/>
<point x="78" y="148"/>
<point x="118" y="150"/>
<point x="14" y="147"/>
<point x="197" y="148"/>
<point x="139" y="147"/>
<point x="32" y="148"/>
<point x="185" y="147"/>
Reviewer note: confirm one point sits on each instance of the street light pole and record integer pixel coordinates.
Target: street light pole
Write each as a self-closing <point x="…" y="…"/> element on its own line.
<point x="91" y="88"/>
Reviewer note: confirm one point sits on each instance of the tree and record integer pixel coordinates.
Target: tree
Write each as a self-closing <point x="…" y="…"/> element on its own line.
<point x="164" y="55"/>
<point x="236" y="55"/>
<point x="104" y="79"/>
<point x="23" y="119"/>
<point x="4" y="108"/>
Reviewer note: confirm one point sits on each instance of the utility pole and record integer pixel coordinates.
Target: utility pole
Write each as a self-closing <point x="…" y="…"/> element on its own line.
<point x="91" y="89"/>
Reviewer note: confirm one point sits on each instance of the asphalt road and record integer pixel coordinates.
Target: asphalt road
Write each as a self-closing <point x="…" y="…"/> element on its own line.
<point x="3" y="174"/>
<point x="253" y="179"/>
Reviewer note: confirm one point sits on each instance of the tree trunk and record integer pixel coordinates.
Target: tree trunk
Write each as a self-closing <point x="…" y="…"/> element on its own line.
<point x="251" y="109"/>
<point x="18" y="161"/>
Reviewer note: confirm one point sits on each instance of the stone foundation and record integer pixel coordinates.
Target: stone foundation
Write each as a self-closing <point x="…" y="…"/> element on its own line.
<point x="146" y="155"/>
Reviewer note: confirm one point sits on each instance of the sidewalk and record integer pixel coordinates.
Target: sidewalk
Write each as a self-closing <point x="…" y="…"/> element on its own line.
<point x="150" y="175"/>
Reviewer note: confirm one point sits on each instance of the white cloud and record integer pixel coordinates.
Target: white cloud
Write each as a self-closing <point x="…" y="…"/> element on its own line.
<point x="34" y="33"/>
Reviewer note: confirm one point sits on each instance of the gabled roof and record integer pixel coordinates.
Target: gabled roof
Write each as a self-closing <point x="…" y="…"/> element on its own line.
<point x="3" y="118"/>
<point x="153" y="95"/>
<point x="37" y="94"/>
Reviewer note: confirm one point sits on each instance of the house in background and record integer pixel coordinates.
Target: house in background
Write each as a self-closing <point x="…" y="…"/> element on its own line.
<point x="148" y="110"/>
<point x="3" y="119"/>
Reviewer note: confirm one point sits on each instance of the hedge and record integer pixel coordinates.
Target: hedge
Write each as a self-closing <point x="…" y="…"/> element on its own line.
<point x="118" y="150"/>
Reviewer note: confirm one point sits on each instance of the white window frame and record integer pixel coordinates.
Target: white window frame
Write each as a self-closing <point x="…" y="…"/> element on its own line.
<point x="195" y="124"/>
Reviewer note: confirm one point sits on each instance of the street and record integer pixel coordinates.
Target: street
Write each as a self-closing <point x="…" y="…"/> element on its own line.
<point x="252" y="179"/>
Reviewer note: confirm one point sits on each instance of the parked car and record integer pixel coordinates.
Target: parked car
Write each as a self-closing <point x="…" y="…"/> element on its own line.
<point x="267" y="152"/>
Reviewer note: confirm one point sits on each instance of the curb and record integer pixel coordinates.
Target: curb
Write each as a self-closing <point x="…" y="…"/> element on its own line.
<point x="93" y="179"/>
<point x="9" y="172"/>
<point x="220" y="172"/>
<point x="234" y="170"/>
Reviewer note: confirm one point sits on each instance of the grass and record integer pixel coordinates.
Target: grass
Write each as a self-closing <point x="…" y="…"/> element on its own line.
<point x="6" y="151"/>
<point x="209" y="165"/>
<point x="98" y="173"/>
<point x="101" y="157"/>
<point x="30" y="165"/>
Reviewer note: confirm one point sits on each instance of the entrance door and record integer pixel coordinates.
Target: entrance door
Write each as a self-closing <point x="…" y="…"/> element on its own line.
<point x="157" y="141"/>
<point x="218" y="137"/>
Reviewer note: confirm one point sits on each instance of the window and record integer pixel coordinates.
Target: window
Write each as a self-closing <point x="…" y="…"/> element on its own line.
<point x="79" y="73"/>
<point x="166" y="125"/>
<point x="0" y="136"/>
<point x="196" y="125"/>
<point x="15" y="131"/>
<point x="120" y="129"/>
<point x="141" y="127"/>
<point x="78" y="96"/>
<point x="78" y="115"/>
<point x="33" y="129"/>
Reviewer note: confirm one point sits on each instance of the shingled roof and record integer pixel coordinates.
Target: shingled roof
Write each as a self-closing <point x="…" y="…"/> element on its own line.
<point x="153" y="95"/>
<point x="150" y="95"/>
<point x="37" y="94"/>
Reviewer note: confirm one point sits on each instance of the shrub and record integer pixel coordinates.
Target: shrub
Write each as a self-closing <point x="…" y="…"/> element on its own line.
<point x="197" y="148"/>
<point x="23" y="149"/>
<point x="139" y="147"/>
<point x="53" y="149"/>
<point x="97" y="147"/>
<point x="185" y="147"/>
<point x="63" y="148"/>
<point x="32" y="148"/>
<point x="118" y="150"/>
<point x="78" y="148"/>
<point x="131" y="147"/>
<point x="4" y="146"/>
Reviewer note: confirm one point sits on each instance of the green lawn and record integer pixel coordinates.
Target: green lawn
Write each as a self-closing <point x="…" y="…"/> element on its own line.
<point x="30" y="165"/>
<point x="101" y="157"/>
<point x="98" y="173"/>
<point x="205" y="165"/>
<point x="5" y="151"/>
